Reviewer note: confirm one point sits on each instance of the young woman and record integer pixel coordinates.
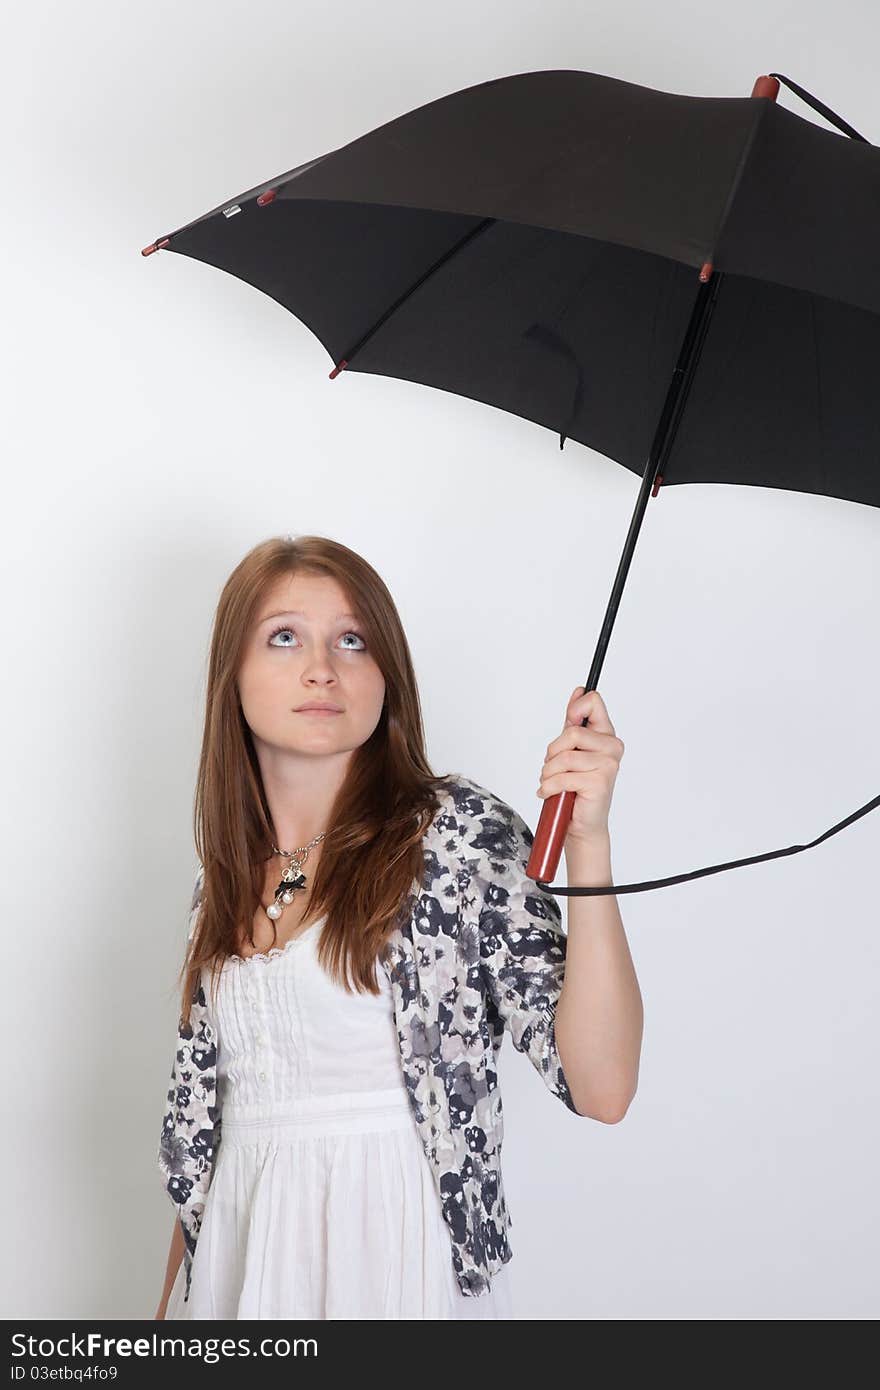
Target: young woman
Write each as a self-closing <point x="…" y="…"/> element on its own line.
<point x="362" y="933"/>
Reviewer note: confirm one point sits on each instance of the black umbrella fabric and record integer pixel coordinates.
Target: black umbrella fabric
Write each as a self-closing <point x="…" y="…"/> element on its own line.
<point x="688" y="285"/>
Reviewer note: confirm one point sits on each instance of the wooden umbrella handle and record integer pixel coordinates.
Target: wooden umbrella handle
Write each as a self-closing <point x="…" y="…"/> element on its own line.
<point x="550" y="836"/>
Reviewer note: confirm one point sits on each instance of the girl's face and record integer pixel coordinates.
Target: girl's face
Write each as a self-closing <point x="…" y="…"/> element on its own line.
<point x="308" y="648"/>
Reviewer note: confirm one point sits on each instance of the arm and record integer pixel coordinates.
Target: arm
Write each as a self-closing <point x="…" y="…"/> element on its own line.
<point x="175" y="1255"/>
<point x="599" y="1015"/>
<point x="521" y="941"/>
<point x="191" y="1125"/>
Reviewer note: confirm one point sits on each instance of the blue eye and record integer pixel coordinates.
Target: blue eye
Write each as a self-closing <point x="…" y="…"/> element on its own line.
<point x="285" y="628"/>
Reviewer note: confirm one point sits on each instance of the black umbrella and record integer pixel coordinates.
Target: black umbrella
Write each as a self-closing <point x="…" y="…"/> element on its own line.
<point x="556" y="244"/>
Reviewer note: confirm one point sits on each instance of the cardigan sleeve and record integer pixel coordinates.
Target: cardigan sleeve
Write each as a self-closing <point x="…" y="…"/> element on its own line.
<point x="191" y="1123"/>
<point x="522" y="942"/>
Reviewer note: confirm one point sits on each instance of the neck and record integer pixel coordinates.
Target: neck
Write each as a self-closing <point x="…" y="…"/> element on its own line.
<point x="299" y="845"/>
<point x="300" y="794"/>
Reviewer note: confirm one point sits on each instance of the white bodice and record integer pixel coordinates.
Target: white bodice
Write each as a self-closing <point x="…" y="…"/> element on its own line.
<point x="286" y="1030"/>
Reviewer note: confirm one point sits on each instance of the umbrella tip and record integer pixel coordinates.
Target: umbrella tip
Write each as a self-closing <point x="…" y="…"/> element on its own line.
<point x="156" y="246"/>
<point x="340" y="367"/>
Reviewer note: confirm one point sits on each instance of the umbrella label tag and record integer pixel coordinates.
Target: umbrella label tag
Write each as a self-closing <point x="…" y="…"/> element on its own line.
<point x="230" y="212"/>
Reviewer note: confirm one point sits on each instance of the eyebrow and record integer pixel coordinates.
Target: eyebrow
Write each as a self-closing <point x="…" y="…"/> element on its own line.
<point x="291" y="613"/>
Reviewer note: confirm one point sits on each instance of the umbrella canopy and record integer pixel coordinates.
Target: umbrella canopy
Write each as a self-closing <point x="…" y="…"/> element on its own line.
<point x="556" y="243"/>
<point x="531" y="243"/>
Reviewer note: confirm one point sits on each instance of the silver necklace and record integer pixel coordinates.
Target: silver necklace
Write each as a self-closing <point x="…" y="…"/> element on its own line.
<point x="293" y="876"/>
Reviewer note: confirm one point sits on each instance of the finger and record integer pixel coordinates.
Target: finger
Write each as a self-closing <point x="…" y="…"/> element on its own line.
<point x="589" y="704"/>
<point x="578" y="760"/>
<point x="573" y="736"/>
<point x="578" y="778"/>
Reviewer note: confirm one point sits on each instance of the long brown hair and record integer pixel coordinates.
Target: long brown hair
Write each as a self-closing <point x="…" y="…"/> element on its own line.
<point x="372" y="857"/>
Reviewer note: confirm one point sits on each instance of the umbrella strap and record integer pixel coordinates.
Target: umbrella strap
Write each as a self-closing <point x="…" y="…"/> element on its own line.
<point x="713" y="868"/>
<point x="820" y="106"/>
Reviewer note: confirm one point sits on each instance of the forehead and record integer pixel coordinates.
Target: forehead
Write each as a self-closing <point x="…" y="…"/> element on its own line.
<point x="317" y="595"/>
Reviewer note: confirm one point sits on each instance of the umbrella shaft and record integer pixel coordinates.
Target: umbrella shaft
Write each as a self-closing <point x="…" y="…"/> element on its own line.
<point x="664" y="437"/>
<point x="556" y="811"/>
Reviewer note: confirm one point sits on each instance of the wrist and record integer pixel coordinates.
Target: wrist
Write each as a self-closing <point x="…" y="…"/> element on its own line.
<point x="588" y="846"/>
<point x="589" y="859"/>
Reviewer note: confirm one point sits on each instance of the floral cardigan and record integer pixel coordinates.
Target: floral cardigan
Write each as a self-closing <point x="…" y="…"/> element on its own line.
<point x="479" y="948"/>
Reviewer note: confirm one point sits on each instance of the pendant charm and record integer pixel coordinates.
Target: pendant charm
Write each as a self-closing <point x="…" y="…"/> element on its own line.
<point x="292" y="879"/>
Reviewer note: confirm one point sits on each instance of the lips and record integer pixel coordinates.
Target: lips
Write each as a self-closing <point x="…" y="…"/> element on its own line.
<point x="318" y="709"/>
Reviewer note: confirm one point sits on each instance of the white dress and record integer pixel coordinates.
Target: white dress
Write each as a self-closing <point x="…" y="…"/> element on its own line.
<point x="322" y="1203"/>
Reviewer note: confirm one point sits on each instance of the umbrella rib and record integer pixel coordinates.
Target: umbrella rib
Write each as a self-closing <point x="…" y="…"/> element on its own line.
<point x="407" y="294"/>
<point x="760" y="115"/>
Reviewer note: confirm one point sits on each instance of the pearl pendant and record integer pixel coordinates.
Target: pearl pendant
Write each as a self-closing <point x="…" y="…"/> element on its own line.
<point x="292" y="879"/>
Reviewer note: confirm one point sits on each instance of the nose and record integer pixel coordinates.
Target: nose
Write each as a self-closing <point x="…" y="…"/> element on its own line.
<point x="318" y="667"/>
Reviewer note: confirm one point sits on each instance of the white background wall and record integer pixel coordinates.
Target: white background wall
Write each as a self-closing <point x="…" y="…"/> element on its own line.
<point x="162" y="417"/>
